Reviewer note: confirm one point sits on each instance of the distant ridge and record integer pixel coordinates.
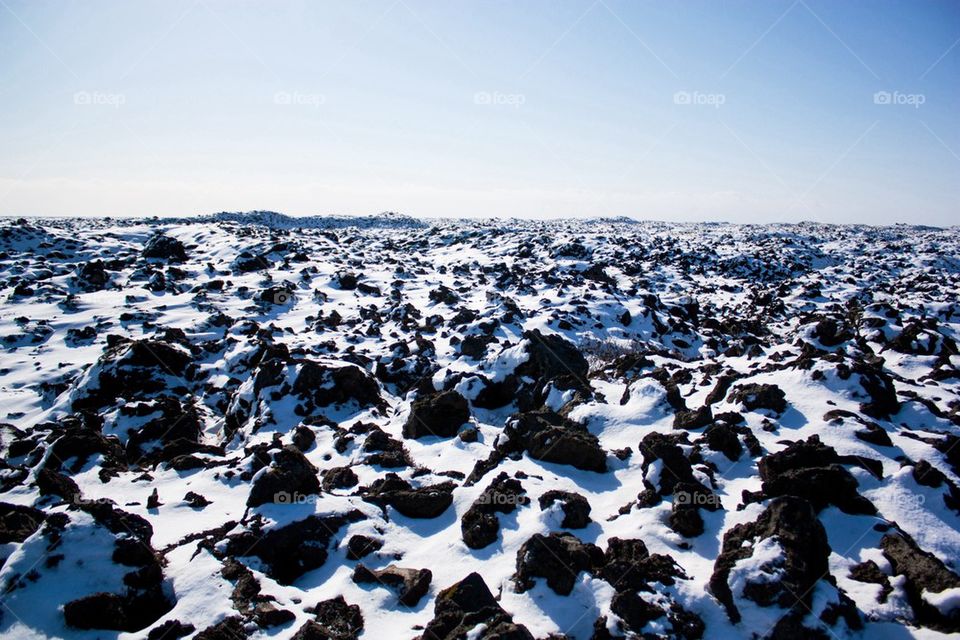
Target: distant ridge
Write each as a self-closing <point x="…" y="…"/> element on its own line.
<point x="273" y="219"/>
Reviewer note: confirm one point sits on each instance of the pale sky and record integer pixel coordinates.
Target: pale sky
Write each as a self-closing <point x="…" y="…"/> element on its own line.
<point x="741" y="111"/>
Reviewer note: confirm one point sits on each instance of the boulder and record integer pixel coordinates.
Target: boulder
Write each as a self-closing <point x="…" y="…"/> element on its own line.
<point x="793" y="523"/>
<point x="290" y="476"/>
<point x="410" y="584"/>
<point x="559" y="558"/>
<point x="576" y="508"/>
<point x="468" y="609"/>
<point x="438" y="414"/>
<point x="479" y="525"/>
<point x="422" y="502"/>
<point x="547" y="436"/>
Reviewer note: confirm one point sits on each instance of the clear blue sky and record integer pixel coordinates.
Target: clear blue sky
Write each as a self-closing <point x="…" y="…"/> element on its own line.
<point x="688" y="110"/>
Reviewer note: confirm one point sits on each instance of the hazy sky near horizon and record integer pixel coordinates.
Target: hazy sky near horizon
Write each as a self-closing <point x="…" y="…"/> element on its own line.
<point x="780" y="110"/>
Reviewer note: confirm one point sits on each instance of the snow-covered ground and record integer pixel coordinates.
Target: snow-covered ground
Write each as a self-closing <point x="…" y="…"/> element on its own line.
<point x="219" y="426"/>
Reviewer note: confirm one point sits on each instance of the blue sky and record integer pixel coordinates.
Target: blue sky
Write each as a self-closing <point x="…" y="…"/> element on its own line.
<point x="740" y="111"/>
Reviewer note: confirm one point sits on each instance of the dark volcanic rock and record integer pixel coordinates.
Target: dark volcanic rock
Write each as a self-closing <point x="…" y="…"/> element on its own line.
<point x="422" y="502"/>
<point x="290" y="476"/>
<point x="460" y="608"/>
<point x="479" y="525"/>
<point x="559" y="558"/>
<point x="129" y="612"/>
<point x="576" y="509"/>
<point x="410" y="584"/>
<point x="324" y="385"/>
<point x="290" y="551"/>
<point x="359" y="546"/>
<point x="811" y="470"/>
<point x="924" y="573"/>
<point x="552" y="358"/>
<point x="759" y="396"/>
<point x="339" y="620"/>
<point x="794" y="524"/>
<point x="439" y="414"/>
<point x="17" y="522"/>
<point x="628" y="566"/>
<point x="165" y="248"/>
<point x="547" y="436"/>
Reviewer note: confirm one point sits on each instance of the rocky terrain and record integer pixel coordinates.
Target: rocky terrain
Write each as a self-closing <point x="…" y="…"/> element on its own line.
<point x="252" y="426"/>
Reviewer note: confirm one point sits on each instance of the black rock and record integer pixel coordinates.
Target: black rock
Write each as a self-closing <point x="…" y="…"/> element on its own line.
<point x="576" y="508"/>
<point x="410" y="584"/>
<point x="480" y="525"/>
<point x="547" y="436"/>
<point x="423" y="502"/>
<point x="462" y="607"/>
<point x="165" y="248"/>
<point x="341" y="621"/>
<point x="291" y="476"/>
<point x="439" y="414"/>
<point x="794" y="524"/>
<point x="559" y="558"/>
<point x="759" y="396"/>
<point x="359" y="546"/>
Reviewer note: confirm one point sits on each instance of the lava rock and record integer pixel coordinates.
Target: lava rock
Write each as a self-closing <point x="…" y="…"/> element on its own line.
<point x="463" y="607"/>
<point x="422" y="502"/>
<point x="165" y="248"/>
<point x="547" y="436"/>
<point x="755" y="396"/>
<point x="576" y="508"/>
<point x="794" y="524"/>
<point x="439" y="414"/>
<point x="410" y="584"/>
<point x="291" y="475"/>
<point x="559" y="558"/>
<point x="480" y="525"/>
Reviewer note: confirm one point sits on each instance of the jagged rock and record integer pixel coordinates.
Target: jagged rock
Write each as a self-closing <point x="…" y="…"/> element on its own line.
<point x="547" y="436"/>
<point x="793" y="524"/>
<point x="410" y="584"/>
<point x="269" y="615"/>
<point x="439" y="414"/>
<point x="339" y="478"/>
<point x="361" y="546"/>
<point x="463" y="607"/>
<point x="324" y="386"/>
<point x="924" y="573"/>
<point x="165" y="248"/>
<point x="18" y="522"/>
<point x="755" y="396"/>
<point x="290" y="551"/>
<point x="228" y="629"/>
<point x="628" y="566"/>
<point x="576" y="508"/>
<point x="479" y="525"/>
<point x="422" y="502"/>
<point x="339" y="620"/>
<point x="723" y="438"/>
<point x="559" y="558"/>
<point x="171" y="630"/>
<point x="129" y="612"/>
<point x="693" y="419"/>
<point x="290" y="476"/>
<point x="811" y="470"/>
<point x="555" y="359"/>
